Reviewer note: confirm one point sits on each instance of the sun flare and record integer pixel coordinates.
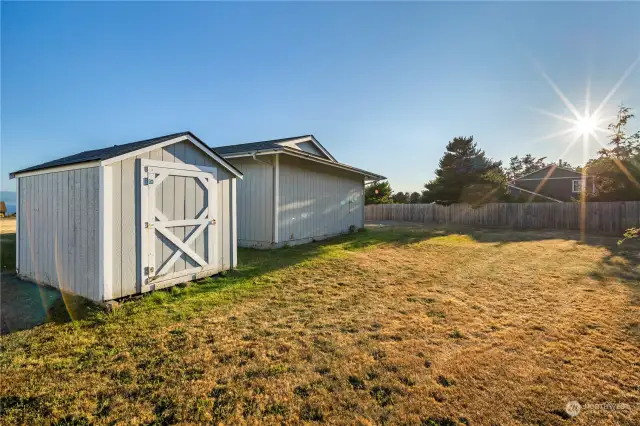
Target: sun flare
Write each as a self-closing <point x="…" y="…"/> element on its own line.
<point x="587" y="125"/>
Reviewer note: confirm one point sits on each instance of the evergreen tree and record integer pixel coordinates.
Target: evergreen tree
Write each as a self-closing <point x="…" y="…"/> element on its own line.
<point x="378" y="193"/>
<point x="523" y="166"/>
<point x="565" y="165"/>
<point x="624" y="146"/>
<point x="414" y="198"/>
<point x="617" y="170"/>
<point x="400" y="197"/>
<point x="465" y="175"/>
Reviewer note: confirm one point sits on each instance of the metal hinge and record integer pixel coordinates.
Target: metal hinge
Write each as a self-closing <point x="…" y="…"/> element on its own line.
<point x="148" y="181"/>
<point x="148" y="225"/>
<point x="148" y="270"/>
<point x="213" y="221"/>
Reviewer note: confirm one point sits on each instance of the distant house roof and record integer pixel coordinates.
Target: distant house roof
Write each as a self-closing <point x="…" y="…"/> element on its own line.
<point x="276" y="146"/>
<point x="553" y="168"/>
<point x="535" y="194"/>
<point x="117" y="150"/>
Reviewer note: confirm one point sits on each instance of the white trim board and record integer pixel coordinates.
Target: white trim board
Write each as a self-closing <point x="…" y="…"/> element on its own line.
<point x="234" y="226"/>
<point x="57" y="169"/>
<point x="311" y="139"/>
<point x="105" y="239"/>
<point x="196" y="142"/>
<point x="18" y="226"/>
<point x="276" y="198"/>
<point x="311" y="157"/>
<point x="252" y="153"/>
<point x="301" y="154"/>
<point x="177" y="166"/>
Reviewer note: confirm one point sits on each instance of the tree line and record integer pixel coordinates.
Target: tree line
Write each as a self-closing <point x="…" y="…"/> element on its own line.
<point x="466" y="175"/>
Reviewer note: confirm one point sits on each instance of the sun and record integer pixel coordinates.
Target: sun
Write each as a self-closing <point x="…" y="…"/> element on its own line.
<point x="587" y="125"/>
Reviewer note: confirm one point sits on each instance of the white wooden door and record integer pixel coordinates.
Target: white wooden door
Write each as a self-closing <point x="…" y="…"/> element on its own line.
<point x="178" y="222"/>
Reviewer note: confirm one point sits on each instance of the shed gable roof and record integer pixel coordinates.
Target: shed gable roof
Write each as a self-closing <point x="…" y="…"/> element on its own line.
<point x="104" y="154"/>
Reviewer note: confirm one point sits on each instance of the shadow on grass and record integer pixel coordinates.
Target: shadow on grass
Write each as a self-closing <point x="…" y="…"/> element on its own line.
<point x="24" y="305"/>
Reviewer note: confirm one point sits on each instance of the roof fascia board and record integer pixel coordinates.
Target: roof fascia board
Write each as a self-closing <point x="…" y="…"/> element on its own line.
<point x="301" y="154"/>
<point x="322" y="148"/>
<point x="311" y="139"/>
<point x="182" y="138"/>
<point x="312" y="157"/>
<point x="252" y="153"/>
<point x="141" y="151"/>
<point x="215" y="156"/>
<point x="56" y="169"/>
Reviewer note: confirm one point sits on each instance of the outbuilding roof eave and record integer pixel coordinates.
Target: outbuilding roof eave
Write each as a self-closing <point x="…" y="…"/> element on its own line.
<point x="369" y="176"/>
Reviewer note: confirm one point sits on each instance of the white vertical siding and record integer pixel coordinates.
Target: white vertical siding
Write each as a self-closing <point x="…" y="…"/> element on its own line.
<point x="255" y="201"/>
<point x="317" y="201"/>
<point x="57" y="228"/>
<point x="126" y="209"/>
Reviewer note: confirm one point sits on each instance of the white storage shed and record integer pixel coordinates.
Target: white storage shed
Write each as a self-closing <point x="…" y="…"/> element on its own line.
<point x="294" y="191"/>
<point x="127" y="219"/>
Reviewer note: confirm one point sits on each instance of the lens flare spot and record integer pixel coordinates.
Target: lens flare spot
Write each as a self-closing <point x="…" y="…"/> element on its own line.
<point x="587" y="125"/>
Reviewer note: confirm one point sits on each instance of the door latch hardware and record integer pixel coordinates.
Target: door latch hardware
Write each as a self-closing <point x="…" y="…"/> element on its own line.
<point x="213" y="221"/>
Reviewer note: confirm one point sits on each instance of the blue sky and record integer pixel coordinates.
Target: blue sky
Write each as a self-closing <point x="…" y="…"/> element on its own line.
<point x="384" y="86"/>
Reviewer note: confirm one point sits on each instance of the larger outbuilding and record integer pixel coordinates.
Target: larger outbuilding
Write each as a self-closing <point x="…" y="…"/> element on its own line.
<point x="294" y="191"/>
<point x="127" y="219"/>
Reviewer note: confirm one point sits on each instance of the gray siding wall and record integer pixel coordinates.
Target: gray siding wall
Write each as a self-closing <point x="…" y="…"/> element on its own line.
<point x="59" y="230"/>
<point x="125" y="208"/>
<point x="255" y="201"/>
<point x="317" y="201"/>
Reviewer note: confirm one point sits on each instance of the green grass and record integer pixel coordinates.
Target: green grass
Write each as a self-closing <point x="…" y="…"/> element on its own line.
<point x="392" y="325"/>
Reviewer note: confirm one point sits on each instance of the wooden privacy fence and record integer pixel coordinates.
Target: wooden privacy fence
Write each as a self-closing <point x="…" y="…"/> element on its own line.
<point x="611" y="217"/>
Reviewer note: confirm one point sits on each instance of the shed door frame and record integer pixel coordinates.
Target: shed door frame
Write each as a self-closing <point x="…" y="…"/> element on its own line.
<point x="152" y="174"/>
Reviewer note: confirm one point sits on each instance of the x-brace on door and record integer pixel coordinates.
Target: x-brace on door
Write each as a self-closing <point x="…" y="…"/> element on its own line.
<point x="178" y="221"/>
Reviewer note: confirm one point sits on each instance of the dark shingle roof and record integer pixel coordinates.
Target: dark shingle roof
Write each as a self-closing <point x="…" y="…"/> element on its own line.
<point x="110" y="152"/>
<point x="101" y="154"/>
<point x="255" y="146"/>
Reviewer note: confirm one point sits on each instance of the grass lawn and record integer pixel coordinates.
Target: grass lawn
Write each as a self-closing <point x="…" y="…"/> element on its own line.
<point x="393" y="325"/>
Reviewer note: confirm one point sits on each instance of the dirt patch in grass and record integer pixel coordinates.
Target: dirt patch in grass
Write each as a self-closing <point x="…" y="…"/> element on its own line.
<point x="393" y="325"/>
